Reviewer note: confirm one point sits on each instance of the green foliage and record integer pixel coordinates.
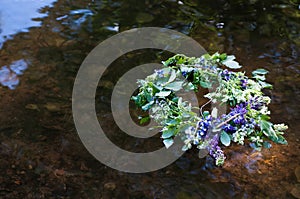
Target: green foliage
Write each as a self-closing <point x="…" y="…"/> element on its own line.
<point x="230" y="63"/>
<point x="225" y="138"/>
<point x="259" y="75"/>
<point x="247" y="119"/>
<point x="144" y="120"/>
<point x="168" y="142"/>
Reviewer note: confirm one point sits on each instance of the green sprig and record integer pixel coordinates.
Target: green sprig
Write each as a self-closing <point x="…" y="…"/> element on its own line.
<point x="157" y="94"/>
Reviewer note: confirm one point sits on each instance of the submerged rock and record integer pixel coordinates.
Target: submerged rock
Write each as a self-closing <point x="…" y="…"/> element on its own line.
<point x="52" y="107"/>
<point x="296" y="191"/>
<point x="32" y="107"/>
<point x="110" y="186"/>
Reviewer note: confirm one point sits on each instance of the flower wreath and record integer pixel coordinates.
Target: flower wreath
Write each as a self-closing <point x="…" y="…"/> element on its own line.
<point x="248" y="117"/>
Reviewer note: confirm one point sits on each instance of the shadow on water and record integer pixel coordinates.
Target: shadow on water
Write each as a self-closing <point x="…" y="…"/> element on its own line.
<point x="41" y="154"/>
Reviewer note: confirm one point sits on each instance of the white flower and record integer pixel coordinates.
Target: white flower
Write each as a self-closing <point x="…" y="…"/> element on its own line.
<point x="280" y="127"/>
<point x="264" y="110"/>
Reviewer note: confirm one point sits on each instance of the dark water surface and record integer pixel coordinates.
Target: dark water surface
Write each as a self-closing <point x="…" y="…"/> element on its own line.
<point x="41" y="154"/>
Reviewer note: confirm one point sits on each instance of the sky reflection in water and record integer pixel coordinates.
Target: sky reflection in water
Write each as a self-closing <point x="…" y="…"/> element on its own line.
<point x="9" y="75"/>
<point x="16" y="16"/>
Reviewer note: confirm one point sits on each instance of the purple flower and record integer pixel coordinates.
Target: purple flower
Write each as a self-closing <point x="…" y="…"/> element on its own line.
<point x="160" y="73"/>
<point x="226" y="75"/>
<point x="244" y="83"/>
<point x="215" y="151"/>
<point x="229" y="128"/>
<point x="252" y="123"/>
<point x="213" y="144"/>
<point x="241" y="111"/>
<point x="256" y="103"/>
<point x="184" y="73"/>
<point x="204" y="125"/>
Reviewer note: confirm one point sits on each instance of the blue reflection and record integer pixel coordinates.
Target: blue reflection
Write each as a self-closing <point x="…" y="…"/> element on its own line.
<point x="76" y="18"/>
<point x="9" y="75"/>
<point x="18" y="66"/>
<point x="16" y="16"/>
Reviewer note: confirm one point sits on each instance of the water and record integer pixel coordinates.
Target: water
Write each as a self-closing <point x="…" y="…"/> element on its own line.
<point x="41" y="154"/>
<point x="19" y="15"/>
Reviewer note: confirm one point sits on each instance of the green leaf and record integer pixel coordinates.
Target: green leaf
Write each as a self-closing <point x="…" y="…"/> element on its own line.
<point x="172" y="76"/>
<point x="148" y="96"/>
<point x="170" y="61"/>
<point x="223" y="56"/>
<point x="175" y="99"/>
<point x="168" y="142"/>
<point x="281" y="140"/>
<point x="157" y="87"/>
<point x="265" y="84"/>
<point x="180" y="59"/>
<point x="264" y="117"/>
<point x="167" y="133"/>
<point x="171" y="122"/>
<point x="267" y="145"/>
<point x="186" y="115"/>
<point x="260" y="77"/>
<point x="265" y="125"/>
<point x="259" y="71"/>
<point x="185" y="148"/>
<point x="206" y="56"/>
<point x="189" y="86"/>
<point x="231" y="64"/>
<point x="134" y="98"/>
<point x="267" y="129"/>
<point x="230" y="58"/>
<point x="175" y="86"/>
<point x="164" y="79"/>
<point x="225" y="138"/>
<point x="144" y="120"/>
<point x="205" y="84"/>
<point x="254" y="146"/>
<point x="163" y="93"/>
<point x="147" y="106"/>
<point x="205" y="114"/>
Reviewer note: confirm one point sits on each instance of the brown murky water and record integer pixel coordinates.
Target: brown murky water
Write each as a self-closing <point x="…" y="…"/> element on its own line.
<point x="41" y="154"/>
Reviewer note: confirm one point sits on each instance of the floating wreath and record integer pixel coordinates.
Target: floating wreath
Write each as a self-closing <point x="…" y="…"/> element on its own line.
<point x="248" y="117"/>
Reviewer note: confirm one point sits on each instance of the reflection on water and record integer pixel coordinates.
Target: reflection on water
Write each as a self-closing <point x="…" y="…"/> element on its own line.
<point x="9" y="75"/>
<point x="18" y="15"/>
<point x="76" y="17"/>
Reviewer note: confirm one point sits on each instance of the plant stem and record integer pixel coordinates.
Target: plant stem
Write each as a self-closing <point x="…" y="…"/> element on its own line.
<point x="228" y="120"/>
<point x="203" y="106"/>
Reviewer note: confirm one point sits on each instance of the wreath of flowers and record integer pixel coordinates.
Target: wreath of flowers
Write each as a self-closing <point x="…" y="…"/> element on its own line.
<point x="248" y="118"/>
